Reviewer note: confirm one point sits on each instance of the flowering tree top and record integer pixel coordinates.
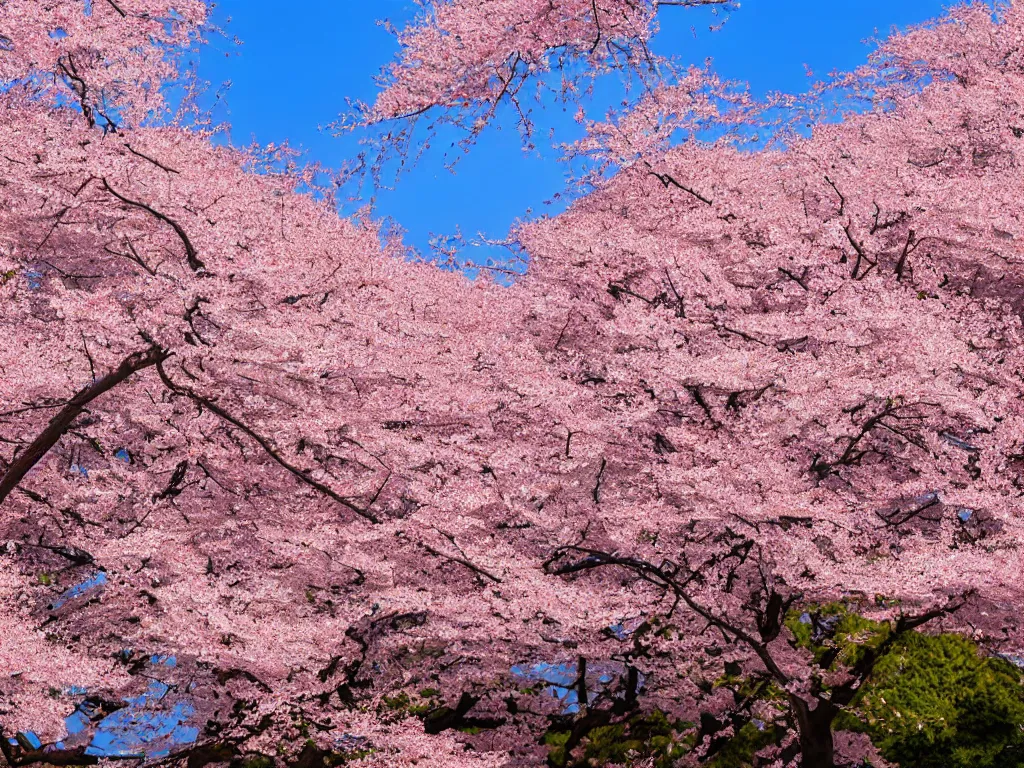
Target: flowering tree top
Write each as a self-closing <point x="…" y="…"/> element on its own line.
<point x="109" y="57"/>
<point x="466" y="57"/>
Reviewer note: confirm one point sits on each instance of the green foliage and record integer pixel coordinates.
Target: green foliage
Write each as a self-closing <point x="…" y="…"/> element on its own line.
<point x="628" y="743"/>
<point x="739" y="751"/>
<point x="402" y="704"/>
<point x="934" y="702"/>
<point x="850" y="638"/>
<point x="556" y="741"/>
<point x="397" y="703"/>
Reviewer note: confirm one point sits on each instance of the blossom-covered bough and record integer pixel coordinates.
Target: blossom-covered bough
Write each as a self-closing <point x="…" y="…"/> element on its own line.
<point x="109" y="58"/>
<point x="461" y="60"/>
<point x="483" y="51"/>
<point x="270" y="491"/>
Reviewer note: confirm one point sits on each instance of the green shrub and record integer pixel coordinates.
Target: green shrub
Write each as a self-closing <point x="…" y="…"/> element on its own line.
<point x="935" y="702"/>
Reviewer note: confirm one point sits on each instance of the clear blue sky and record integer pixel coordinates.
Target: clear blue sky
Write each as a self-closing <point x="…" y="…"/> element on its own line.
<point x="299" y="62"/>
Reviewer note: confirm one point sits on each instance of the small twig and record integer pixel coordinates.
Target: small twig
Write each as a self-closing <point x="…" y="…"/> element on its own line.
<point x="798" y="280"/>
<point x="596" y="493"/>
<point x="908" y="248"/>
<point x="842" y="200"/>
<point x="463" y="562"/>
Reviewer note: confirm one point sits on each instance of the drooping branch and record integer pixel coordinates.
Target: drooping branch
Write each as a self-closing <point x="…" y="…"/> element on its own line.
<point x="303" y="477"/>
<point x="60" y="423"/>
<point x="194" y="262"/>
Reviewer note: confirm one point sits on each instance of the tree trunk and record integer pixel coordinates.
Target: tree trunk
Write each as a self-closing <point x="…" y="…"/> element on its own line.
<point x="817" y="748"/>
<point x="74" y="408"/>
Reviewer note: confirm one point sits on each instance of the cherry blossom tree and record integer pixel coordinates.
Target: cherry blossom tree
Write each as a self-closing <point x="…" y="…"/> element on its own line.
<point x="267" y="475"/>
<point x="174" y="321"/>
<point x="733" y="308"/>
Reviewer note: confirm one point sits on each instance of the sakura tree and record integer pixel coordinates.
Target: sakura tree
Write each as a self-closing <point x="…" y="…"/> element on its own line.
<point x="812" y="357"/>
<point x="326" y="503"/>
<point x="174" y="321"/>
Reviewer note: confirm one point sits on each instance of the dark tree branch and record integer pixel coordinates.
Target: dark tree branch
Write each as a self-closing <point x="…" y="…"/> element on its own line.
<point x="133" y="256"/>
<point x="908" y="248"/>
<point x="862" y="255"/>
<point x="16" y="757"/>
<point x="665" y="576"/>
<point x="842" y="200"/>
<point x="80" y="88"/>
<point x="301" y="476"/>
<point x="463" y="562"/>
<point x="194" y="262"/>
<point x="157" y="163"/>
<point x="667" y="180"/>
<point x="596" y="493"/>
<point x="119" y="9"/>
<point x="799" y="280"/>
<point x="60" y="423"/>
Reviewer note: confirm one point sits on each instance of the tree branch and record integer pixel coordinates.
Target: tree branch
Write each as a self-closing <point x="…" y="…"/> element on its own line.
<point x="263" y="443"/>
<point x="665" y="576"/>
<point x="60" y="423"/>
<point x="194" y="262"/>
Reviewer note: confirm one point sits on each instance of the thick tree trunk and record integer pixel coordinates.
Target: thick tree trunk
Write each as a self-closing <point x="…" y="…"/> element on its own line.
<point x="817" y="749"/>
<point x="74" y="408"/>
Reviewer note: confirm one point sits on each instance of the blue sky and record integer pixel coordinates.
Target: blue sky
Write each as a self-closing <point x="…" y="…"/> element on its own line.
<point x="297" y="65"/>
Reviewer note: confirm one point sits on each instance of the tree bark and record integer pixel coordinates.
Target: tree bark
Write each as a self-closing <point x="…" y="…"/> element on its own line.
<point x="817" y="749"/>
<point x="74" y="408"/>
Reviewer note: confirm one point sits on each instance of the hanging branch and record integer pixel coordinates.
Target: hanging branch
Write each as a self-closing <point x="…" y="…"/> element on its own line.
<point x="304" y="478"/>
<point x="194" y="262"/>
